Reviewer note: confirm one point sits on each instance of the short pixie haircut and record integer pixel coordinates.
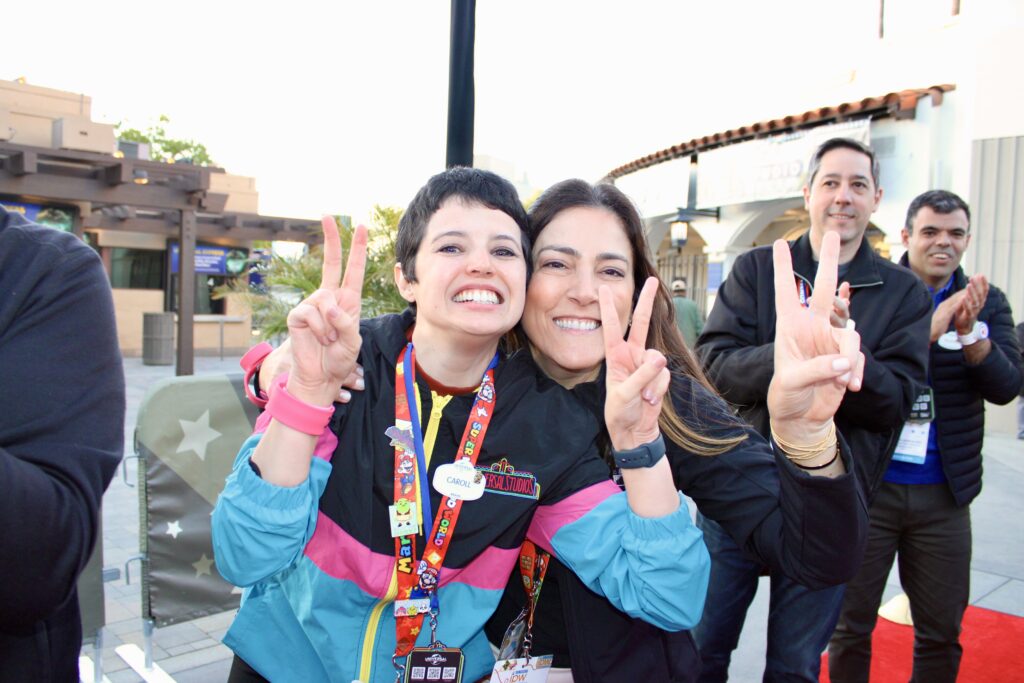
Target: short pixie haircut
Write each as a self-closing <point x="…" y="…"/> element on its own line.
<point x="472" y="186"/>
<point x="842" y="143"/>
<point x="939" y="201"/>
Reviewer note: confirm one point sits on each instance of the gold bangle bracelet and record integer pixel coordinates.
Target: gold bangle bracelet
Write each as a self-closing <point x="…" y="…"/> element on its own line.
<point x="802" y="453"/>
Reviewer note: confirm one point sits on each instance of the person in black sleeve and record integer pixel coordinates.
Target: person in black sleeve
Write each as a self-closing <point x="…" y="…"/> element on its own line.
<point x="61" y="437"/>
<point x="891" y="309"/>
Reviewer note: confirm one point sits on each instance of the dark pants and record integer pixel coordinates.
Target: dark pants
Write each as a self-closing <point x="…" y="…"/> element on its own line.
<point x="800" y="620"/>
<point x="933" y="538"/>
<point x="241" y="672"/>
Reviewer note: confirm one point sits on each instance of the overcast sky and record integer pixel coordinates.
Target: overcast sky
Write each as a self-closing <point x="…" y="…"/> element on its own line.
<point x="336" y="106"/>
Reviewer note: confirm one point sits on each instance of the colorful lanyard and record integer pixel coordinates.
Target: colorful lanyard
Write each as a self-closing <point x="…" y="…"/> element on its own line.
<point x="533" y="567"/>
<point x="803" y="291"/>
<point x="417" y="584"/>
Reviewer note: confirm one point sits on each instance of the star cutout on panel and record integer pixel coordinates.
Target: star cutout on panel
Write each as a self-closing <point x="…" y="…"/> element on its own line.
<point x="197" y="435"/>
<point x="203" y="565"/>
<point x="173" y="529"/>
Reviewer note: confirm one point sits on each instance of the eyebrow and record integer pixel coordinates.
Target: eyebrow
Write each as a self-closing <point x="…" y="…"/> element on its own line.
<point x="856" y="176"/>
<point x="501" y="237"/>
<point x="569" y="251"/>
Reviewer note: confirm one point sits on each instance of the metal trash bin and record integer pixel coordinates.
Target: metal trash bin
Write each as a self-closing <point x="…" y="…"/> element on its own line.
<point x="158" y="339"/>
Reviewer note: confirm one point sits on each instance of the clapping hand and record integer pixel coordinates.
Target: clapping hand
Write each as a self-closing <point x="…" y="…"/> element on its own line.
<point x="815" y="362"/>
<point x="637" y="377"/>
<point x="324" y="327"/>
<point x="973" y="301"/>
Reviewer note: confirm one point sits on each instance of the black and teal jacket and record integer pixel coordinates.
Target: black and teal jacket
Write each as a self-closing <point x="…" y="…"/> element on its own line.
<point x="318" y="559"/>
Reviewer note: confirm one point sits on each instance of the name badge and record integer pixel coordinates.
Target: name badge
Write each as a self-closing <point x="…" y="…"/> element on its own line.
<point x="429" y="664"/>
<point x="459" y="480"/>
<point x="522" y="670"/>
<point x="913" y="444"/>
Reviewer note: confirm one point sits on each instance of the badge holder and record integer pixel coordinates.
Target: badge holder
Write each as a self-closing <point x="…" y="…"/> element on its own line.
<point x="434" y="663"/>
<point x="912" y="446"/>
<point x="515" y="663"/>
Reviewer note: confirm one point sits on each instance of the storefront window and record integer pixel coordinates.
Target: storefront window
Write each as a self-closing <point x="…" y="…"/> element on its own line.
<point x="137" y="268"/>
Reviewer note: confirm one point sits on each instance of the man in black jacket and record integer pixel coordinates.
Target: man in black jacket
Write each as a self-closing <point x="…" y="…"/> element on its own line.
<point x="892" y="310"/>
<point x="922" y="508"/>
<point x="61" y="437"/>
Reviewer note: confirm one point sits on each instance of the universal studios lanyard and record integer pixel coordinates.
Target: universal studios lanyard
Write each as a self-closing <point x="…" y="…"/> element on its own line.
<point x="417" y="585"/>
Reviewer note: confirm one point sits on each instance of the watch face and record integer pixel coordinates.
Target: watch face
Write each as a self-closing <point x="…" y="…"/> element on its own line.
<point x="981" y="329"/>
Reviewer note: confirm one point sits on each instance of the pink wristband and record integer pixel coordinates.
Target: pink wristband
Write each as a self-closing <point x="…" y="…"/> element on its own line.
<point x="294" y="413"/>
<point x="251" y="362"/>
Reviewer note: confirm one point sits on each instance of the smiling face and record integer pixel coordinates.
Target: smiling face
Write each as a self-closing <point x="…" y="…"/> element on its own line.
<point x="579" y="250"/>
<point x="470" y="275"/>
<point x="936" y="244"/>
<point x="841" y="197"/>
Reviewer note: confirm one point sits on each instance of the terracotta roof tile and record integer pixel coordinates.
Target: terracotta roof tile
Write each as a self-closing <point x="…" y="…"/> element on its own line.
<point x="896" y="104"/>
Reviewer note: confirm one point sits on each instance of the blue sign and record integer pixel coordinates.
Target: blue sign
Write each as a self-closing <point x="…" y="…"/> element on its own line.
<point x="50" y="216"/>
<point x="214" y="260"/>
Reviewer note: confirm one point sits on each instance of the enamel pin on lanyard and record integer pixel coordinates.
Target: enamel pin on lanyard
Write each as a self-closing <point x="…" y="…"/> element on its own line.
<point x="418" y="582"/>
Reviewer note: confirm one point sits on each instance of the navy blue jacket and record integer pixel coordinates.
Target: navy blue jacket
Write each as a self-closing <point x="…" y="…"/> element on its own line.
<point x="61" y="437"/>
<point x="961" y="391"/>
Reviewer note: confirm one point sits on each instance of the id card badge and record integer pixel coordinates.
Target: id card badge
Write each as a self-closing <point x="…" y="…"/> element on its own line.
<point x="913" y="444"/>
<point x="522" y="670"/>
<point x="442" y="665"/>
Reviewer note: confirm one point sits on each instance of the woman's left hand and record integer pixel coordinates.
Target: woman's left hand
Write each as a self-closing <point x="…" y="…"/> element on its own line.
<point x="815" y="363"/>
<point x="637" y="377"/>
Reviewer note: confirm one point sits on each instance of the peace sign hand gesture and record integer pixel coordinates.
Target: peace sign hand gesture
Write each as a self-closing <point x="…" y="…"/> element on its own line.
<point x="815" y="363"/>
<point x="324" y="327"/>
<point x="637" y="377"/>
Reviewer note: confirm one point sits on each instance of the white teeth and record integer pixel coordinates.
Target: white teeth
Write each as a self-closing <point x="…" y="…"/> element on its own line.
<point x="576" y="324"/>
<point x="477" y="296"/>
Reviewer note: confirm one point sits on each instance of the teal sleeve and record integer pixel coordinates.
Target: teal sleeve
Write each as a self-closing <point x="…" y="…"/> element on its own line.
<point x="259" y="528"/>
<point x="655" y="569"/>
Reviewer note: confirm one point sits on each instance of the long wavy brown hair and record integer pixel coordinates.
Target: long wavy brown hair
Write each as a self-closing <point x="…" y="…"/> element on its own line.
<point x="663" y="335"/>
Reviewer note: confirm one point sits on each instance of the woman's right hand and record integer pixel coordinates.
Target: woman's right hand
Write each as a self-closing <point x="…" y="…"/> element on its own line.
<point x="280" y="360"/>
<point x="324" y="327"/>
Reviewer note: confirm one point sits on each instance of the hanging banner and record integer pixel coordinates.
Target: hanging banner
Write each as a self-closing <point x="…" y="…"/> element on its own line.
<point x="762" y="170"/>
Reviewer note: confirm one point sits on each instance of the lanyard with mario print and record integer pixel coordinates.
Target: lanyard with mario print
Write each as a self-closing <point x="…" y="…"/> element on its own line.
<point x="418" y="582"/>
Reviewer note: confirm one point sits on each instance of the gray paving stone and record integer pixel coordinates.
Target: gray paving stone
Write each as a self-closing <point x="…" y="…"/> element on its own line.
<point x="196" y="658"/>
<point x="216" y="672"/>
<point x="983" y="584"/>
<point x="1007" y="598"/>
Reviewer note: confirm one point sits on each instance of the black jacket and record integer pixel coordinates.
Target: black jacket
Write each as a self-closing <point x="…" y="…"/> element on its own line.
<point x="961" y="391"/>
<point x="61" y="437"/>
<point x="812" y="528"/>
<point x="892" y="310"/>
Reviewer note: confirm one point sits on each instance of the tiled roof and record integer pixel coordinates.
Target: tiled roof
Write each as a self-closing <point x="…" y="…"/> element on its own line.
<point x="896" y="104"/>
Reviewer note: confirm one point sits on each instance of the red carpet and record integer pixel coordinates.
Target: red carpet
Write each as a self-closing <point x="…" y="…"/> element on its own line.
<point x="993" y="645"/>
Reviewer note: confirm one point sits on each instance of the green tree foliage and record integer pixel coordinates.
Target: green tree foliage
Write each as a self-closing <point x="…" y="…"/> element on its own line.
<point x="165" y="148"/>
<point x="289" y="280"/>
